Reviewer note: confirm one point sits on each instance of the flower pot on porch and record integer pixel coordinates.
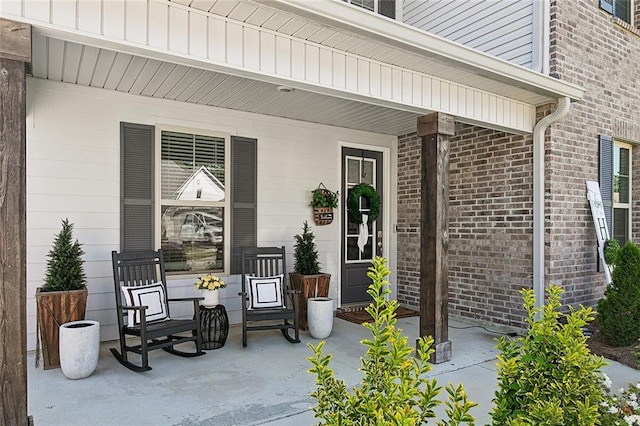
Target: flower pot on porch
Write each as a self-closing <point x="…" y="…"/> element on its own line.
<point x="55" y="308"/>
<point x="316" y="285"/>
<point x="79" y="348"/>
<point x="211" y="298"/>
<point x="320" y="317"/>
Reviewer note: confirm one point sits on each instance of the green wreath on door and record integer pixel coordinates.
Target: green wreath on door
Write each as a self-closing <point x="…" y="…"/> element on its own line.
<point x="353" y="203"/>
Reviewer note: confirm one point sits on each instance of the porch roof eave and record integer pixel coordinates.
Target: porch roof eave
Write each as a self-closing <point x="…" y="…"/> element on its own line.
<point x="342" y="15"/>
<point x="406" y="90"/>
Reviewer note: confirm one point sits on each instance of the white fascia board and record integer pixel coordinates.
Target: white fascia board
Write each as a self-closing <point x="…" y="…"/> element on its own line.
<point x="343" y="15"/>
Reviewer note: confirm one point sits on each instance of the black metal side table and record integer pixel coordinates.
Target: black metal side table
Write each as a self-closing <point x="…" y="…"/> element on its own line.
<point x="214" y="325"/>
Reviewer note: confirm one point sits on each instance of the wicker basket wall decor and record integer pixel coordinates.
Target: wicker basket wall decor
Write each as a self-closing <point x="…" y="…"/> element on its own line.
<point x="323" y="203"/>
<point x="322" y="215"/>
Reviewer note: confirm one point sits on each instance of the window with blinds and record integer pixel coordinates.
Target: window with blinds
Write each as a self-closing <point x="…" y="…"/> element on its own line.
<point x="621" y="192"/>
<point x="193" y="201"/>
<point x="383" y="7"/>
<point x="619" y="8"/>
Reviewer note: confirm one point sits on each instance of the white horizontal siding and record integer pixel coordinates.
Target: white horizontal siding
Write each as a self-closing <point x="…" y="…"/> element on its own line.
<point x="503" y="28"/>
<point x="73" y="152"/>
<point x="236" y="47"/>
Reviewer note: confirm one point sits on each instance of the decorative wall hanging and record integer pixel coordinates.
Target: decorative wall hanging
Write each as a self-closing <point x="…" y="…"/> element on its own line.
<point x="323" y="203"/>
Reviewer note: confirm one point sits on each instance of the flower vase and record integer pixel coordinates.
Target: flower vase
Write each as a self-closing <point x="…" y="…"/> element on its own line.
<point x="210" y="298"/>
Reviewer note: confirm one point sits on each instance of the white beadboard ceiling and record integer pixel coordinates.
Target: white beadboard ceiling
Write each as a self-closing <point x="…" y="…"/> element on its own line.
<point x="69" y="62"/>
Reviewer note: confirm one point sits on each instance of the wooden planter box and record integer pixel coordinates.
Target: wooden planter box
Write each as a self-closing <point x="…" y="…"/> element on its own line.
<point x="55" y="308"/>
<point x="309" y="286"/>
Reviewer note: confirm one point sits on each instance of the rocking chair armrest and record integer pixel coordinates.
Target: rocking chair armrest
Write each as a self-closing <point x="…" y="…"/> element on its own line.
<point x="185" y="299"/>
<point x="134" y="308"/>
<point x="292" y="291"/>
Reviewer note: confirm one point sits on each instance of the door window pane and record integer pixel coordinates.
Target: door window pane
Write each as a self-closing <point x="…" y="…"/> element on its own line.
<point x="353" y="170"/>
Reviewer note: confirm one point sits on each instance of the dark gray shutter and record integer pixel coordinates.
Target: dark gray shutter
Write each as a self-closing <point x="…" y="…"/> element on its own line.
<point x="136" y="186"/>
<point x="387" y="8"/>
<point x="606" y="178"/>
<point x="607" y="5"/>
<point x="244" y="198"/>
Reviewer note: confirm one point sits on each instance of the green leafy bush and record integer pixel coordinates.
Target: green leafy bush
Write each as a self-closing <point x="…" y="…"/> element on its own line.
<point x="305" y="253"/>
<point x="611" y="249"/>
<point x="619" y="310"/>
<point x="549" y="376"/>
<point x="65" y="267"/>
<point x="394" y="389"/>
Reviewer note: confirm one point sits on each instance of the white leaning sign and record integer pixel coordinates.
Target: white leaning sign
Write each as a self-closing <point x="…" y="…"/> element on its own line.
<point x="600" y="222"/>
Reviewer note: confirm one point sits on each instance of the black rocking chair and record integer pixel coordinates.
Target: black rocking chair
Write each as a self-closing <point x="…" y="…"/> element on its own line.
<point x="140" y="279"/>
<point x="267" y="302"/>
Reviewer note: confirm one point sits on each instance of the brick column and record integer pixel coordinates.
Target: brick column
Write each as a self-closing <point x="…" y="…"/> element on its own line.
<point x="435" y="131"/>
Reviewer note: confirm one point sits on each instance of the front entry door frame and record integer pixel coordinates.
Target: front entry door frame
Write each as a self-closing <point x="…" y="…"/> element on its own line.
<point x="385" y="211"/>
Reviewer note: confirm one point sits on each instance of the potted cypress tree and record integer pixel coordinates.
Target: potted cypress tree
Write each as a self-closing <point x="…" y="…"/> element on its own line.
<point x="63" y="297"/>
<point x="307" y="278"/>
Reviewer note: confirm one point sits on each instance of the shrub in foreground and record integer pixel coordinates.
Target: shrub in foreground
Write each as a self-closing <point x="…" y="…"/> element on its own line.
<point x="619" y="310"/>
<point x="549" y="376"/>
<point x="394" y="389"/>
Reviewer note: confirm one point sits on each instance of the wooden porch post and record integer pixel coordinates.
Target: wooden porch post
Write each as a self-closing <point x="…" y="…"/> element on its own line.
<point x="15" y="52"/>
<point x="435" y="131"/>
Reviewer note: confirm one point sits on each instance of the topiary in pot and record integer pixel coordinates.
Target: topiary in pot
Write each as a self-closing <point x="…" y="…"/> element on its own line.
<point x="63" y="297"/>
<point x="619" y="310"/>
<point x="305" y="253"/>
<point x="306" y="276"/>
<point x="65" y="267"/>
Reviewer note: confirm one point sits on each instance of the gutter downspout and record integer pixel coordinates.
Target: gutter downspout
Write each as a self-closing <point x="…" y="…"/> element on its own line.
<point x="564" y="104"/>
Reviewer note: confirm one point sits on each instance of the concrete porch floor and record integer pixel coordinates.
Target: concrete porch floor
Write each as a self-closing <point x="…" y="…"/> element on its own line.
<point x="264" y="384"/>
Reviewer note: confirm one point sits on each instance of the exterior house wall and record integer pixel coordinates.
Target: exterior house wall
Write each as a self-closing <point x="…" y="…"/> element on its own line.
<point x="508" y="29"/>
<point x="73" y="154"/>
<point x="590" y="48"/>
<point x="490" y="225"/>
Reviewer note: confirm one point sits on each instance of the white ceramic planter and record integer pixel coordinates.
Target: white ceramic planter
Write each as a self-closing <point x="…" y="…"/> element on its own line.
<point x="320" y="317"/>
<point x="210" y="298"/>
<point x="79" y="348"/>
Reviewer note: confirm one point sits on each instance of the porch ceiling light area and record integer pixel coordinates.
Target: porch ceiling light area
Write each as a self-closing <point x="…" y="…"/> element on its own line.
<point x="70" y="62"/>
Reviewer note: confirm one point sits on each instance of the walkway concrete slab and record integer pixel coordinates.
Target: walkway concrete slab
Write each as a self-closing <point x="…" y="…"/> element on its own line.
<point x="266" y="383"/>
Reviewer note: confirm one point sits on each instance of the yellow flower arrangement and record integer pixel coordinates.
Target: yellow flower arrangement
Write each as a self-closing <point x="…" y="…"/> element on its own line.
<point x="210" y="282"/>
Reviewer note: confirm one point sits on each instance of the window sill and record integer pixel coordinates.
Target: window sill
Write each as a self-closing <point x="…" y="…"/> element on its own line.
<point x="625" y="25"/>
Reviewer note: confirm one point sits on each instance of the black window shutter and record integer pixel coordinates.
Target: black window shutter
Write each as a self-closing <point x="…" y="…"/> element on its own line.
<point x="387" y="8"/>
<point x="606" y="178"/>
<point x="136" y="186"/>
<point x="607" y="5"/>
<point x="244" y="198"/>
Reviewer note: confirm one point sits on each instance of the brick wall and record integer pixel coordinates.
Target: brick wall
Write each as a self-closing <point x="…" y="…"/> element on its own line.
<point x="490" y="230"/>
<point x="594" y="50"/>
<point x="490" y="227"/>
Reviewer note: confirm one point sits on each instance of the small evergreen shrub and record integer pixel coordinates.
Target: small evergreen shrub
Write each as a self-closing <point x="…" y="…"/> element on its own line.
<point x="394" y="389"/>
<point x="619" y="310"/>
<point x="611" y="249"/>
<point x="305" y="253"/>
<point x="65" y="267"/>
<point x="549" y="376"/>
